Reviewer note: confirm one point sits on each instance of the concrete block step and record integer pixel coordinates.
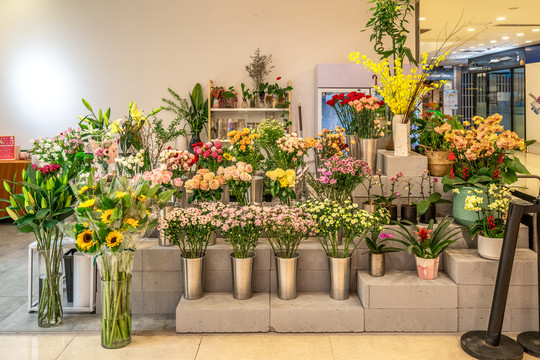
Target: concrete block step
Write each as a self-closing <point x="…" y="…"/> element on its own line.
<point x="405" y="290"/>
<point x="411" y="320"/>
<point x="316" y="312"/>
<point x="515" y="320"/>
<point x="391" y="164"/>
<point x="481" y="296"/>
<point x="466" y="267"/>
<point x="221" y="313"/>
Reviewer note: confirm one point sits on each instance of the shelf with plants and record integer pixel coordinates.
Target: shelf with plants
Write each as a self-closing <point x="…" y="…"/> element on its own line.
<point x="240" y="114"/>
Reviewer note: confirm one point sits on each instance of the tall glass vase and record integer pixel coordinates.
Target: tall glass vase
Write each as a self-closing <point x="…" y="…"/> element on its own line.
<point x="116" y="317"/>
<point x="50" y="312"/>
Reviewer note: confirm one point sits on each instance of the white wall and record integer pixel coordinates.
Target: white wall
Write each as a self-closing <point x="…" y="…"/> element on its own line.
<point x="55" y="52"/>
<point x="532" y="83"/>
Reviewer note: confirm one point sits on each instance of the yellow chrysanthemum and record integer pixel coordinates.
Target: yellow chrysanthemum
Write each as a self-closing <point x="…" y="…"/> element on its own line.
<point x="87" y="203"/>
<point x="114" y="238"/>
<point x="142" y="198"/>
<point x="120" y="194"/>
<point x="83" y="189"/>
<point x="85" y="240"/>
<point x="106" y="216"/>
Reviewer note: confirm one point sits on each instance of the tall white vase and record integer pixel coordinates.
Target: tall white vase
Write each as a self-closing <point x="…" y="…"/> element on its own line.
<point x="402" y="136"/>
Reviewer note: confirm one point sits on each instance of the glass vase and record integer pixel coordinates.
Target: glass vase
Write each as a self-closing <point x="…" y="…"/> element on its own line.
<point x="50" y="312"/>
<point x="116" y="316"/>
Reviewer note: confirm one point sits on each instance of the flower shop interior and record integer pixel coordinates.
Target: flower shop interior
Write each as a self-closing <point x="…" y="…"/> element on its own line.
<point x="361" y="183"/>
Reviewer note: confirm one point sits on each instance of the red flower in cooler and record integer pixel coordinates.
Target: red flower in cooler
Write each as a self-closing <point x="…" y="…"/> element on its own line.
<point x="331" y="102"/>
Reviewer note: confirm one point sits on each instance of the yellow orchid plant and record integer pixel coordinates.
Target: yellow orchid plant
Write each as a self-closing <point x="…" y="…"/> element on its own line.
<point x="401" y="91"/>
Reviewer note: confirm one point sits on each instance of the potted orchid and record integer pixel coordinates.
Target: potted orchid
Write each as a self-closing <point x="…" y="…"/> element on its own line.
<point x="192" y="229"/>
<point x="427" y="245"/>
<point x="377" y="244"/>
<point x="285" y="228"/>
<point x="409" y="210"/>
<point x="426" y="206"/>
<point x="385" y="200"/>
<point x="241" y="227"/>
<point x="333" y="217"/>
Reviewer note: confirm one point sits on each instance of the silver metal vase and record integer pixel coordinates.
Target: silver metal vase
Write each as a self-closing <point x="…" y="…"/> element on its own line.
<point x="376" y="264"/>
<point x="287" y="269"/>
<point x="193" y="272"/>
<point x="242" y="269"/>
<point x="367" y="149"/>
<point x="255" y="194"/>
<point x="340" y="275"/>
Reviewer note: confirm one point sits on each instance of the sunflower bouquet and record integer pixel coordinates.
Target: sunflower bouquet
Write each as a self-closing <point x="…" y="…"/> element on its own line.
<point x="112" y="216"/>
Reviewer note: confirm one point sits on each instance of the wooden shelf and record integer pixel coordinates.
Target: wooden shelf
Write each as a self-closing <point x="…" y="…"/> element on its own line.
<point x="248" y="109"/>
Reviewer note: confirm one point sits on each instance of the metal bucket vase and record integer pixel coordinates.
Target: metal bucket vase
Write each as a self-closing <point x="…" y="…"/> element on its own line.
<point x="193" y="272"/>
<point x="340" y="276"/>
<point x="377" y="264"/>
<point x="368" y="152"/>
<point x="287" y="269"/>
<point x="402" y="136"/>
<point x="353" y="146"/>
<point x="255" y="192"/>
<point x="438" y="163"/>
<point x="242" y="269"/>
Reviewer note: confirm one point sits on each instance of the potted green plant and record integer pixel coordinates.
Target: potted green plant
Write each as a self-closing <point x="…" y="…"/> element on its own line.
<point x="195" y="114"/>
<point x="408" y="210"/>
<point x="228" y="97"/>
<point x="247" y="97"/>
<point x="259" y="68"/>
<point x="191" y="229"/>
<point x="44" y="203"/>
<point x="377" y="245"/>
<point x="426" y="207"/>
<point x="385" y="200"/>
<point x="337" y="220"/>
<point x="491" y="204"/>
<point x="427" y="245"/>
<point x="483" y="153"/>
<point x="241" y="227"/>
<point x="280" y="93"/>
<point x="285" y="228"/>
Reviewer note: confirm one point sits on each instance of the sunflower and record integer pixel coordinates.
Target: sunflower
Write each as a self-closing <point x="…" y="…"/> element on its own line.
<point x="142" y="198"/>
<point x="132" y="222"/>
<point x="83" y="189"/>
<point x="85" y="240"/>
<point x="106" y="216"/>
<point x="87" y="203"/>
<point x="114" y="238"/>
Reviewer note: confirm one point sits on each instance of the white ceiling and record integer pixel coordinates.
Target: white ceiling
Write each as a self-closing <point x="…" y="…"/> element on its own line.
<point x="438" y="19"/>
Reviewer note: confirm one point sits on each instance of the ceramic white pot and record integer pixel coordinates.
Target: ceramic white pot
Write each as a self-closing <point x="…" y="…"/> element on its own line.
<point x="489" y="248"/>
<point x="402" y="136"/>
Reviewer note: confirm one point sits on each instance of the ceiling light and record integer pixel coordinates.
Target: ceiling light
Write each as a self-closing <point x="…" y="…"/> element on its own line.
<point x="493" y="41"/>
<point x="471" y="47"/>
<point x="480" y="44"/>
<point x="515" y="44"/>
<point x="520" y="34"/>
<point x="501" y="18"/>
<point x="536" y="29"/>
<point x="528" y="41"/>
<point x="471" y="29"/>
<point x="505" y="38"/>
<point x="422" y="19"/>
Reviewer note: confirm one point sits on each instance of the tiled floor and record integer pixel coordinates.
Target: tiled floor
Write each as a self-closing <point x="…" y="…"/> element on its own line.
<point x="78" y="337"/>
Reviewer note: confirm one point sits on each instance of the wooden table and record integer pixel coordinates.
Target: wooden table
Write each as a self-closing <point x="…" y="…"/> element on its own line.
<point x="8" y="168"/>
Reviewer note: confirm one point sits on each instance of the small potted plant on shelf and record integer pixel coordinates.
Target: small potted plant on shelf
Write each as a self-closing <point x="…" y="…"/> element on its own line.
<point x="483" y="153"/>
<point x="247" y="97"/>
<point x="427" y="206"/>
<point x="241" y="227"/>
<point x="354" y="224"/>
<point x="491" y="207"/>
<point x="228" y="98"/>
<point x="408" y="210"/>
<point x="285" y="228"/>
<point x="427" y="244"/>
<point x="377" y="244"/>
<point x="280" y="93"/>
<point x="369" y="205"/>
<point x="191" y="229"/>
<point x="259" y="68"/>
<point x="215" y="95"/>
<point x="384" y="200"/>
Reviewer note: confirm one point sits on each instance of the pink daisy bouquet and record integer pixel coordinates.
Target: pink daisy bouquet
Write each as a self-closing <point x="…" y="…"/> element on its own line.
<point x="179" y="162"/>
<point x="286" y="227"/>
<point x="210" y="154"/>
<point x="241" y="226"/>
<point x="238" y="179"/>
<point x="205" y="186"/>
<point x="164" y="178"/>
<point x="191" y="228"/>
<point x="338" y="177"/>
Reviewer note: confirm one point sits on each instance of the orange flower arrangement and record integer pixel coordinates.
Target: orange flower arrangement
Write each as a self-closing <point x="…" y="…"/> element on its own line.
<point x="331" y="142"/>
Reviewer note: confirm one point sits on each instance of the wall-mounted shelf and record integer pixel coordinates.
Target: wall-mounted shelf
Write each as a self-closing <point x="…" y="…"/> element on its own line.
<point x="248" y="109"/>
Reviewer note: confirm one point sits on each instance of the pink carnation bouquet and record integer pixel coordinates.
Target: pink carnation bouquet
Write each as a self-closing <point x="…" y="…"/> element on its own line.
<point x="241" y="226"/>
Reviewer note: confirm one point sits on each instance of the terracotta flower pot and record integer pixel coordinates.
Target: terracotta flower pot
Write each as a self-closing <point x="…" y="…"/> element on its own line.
<point x="427" y="268"/>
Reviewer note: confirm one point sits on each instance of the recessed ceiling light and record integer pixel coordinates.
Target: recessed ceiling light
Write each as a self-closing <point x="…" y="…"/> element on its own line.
<point x="505" y="38"/>
<point x="515" y="44"/>
<point x="536" y="29"/>
<point x="501" y="18"/>
<point x="471" y="47"/>
<point x="422" y="19"/>
<point x="528" y="41"/>
<point x="520" y="34"/>
<point x="493" y="41"/>
<point x="470" y="29"/>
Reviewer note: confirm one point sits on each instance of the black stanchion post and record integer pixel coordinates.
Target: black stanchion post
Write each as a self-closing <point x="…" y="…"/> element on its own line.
<point x="491" y="344"/>
<point x="530" y="340"/>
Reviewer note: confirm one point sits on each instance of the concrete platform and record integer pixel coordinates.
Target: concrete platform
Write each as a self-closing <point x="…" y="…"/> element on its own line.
<point x="221" y="313"/>
<point x="515" y="320"/>
<point x="411" y="320"/>
<point x="391" y="164"/>
<point x="316" y="312"/>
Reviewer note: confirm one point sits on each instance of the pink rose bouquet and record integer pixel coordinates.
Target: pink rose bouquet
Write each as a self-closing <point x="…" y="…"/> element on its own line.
<point x="165" y="178"/>
<point x="210" y="154"/>
<point x="179" y="162"/>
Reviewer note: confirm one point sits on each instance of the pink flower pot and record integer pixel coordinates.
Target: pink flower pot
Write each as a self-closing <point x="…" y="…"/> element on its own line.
<point x="427" y="268"/>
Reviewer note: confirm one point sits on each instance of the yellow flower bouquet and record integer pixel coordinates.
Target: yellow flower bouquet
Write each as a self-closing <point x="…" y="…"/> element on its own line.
<point x="282" y="183"/>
